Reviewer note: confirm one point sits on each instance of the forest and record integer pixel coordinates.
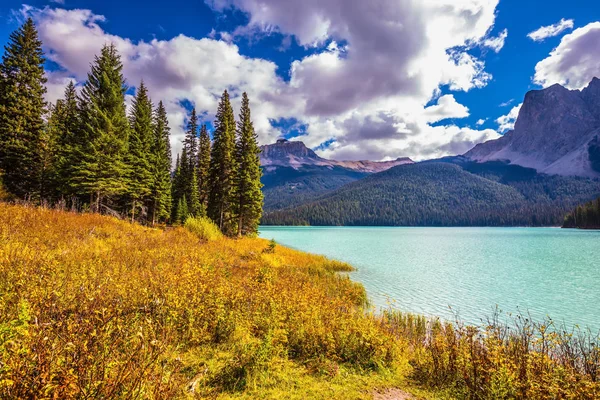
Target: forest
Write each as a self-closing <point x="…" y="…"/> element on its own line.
<point x="451" y="193"/>
<point x="585" y="216"/>
<point x="87" y="152"/>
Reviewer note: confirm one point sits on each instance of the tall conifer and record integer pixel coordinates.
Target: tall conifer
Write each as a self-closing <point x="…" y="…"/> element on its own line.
<point x="248" y="186"/>
<point x="161" y="167"/>
<point x="139" y="156"/>
<point x="102" y="171"/>
<point x="223" y="169"/>
<point x="21" y="109"/>
<point x="203" y="165"/>
<point x="65" y="119"/>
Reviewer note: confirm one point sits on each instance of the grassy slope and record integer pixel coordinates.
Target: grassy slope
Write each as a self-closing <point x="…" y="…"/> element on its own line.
<point x="93" y="306"/>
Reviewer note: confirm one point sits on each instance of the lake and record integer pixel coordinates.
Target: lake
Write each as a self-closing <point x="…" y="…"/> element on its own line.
<point x="542" y="271"/>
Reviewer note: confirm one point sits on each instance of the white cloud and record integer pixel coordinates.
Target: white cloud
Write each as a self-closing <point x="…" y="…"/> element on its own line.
<point x="480" y="121"/>
<point x="446" y="107"/>
<point x="368" y="93"/>
<point x="545" y="32"/>
<point x="507" y="103"/>
<point x="574" y="62"/>
<point x="496" y="43"/>
<point x="507" y="122"/>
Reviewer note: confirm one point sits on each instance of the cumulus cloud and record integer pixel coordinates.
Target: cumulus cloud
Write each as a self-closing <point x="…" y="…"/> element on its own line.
<point x="496" y="43"/>
<point x="175" y="70"/>
<point x="545" y="32"/>
<point x="507" y="122"/>
<point x="364" y="89"/>
<point x="574" y="62"/>
<point x="480" y="121"/>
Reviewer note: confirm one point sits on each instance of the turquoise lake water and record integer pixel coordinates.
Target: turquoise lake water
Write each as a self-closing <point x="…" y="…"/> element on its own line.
<point x="541" y="271"/>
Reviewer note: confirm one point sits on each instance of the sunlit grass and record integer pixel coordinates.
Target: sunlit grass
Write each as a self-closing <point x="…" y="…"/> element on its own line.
<point x="95" y="307"/>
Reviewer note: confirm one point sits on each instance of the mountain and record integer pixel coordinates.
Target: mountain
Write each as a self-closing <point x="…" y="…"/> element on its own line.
<point x="457" y="192"/>
<point x="295" y="154"/>
<point x="556" y="132"/>
<point x="294" y="174"/>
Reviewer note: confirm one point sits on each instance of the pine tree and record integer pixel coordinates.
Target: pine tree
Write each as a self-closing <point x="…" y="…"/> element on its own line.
<point x="248" y="186"/>
<point x="176" y="189"/>
<point x="203" y="165"/>
<point x="161" y="167"/>
<point x="65" y="119"/>
<point x="139" y="157"/>
<point x="182" y="210"/>
<point x="190" y="143"/>
<point x="102" y="171"/>
<point x="195" y="208"/>
<point x="222" y="171"/>
<point x="190" y="168"/>
<point x="22" y="107"/>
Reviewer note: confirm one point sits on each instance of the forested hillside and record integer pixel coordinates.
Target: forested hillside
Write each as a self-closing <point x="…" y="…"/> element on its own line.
<point x="446" y="194"/>
<point x="286" y="186"/>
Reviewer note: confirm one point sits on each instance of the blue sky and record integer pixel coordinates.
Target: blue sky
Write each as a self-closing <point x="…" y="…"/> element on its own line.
<point x="325" y="70"/>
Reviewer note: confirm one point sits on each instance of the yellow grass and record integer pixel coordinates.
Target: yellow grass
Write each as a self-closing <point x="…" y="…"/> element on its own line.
<point x="94" y="307"/>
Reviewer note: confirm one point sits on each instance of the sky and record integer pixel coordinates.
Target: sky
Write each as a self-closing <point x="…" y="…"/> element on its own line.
<point x="352" y="79"/>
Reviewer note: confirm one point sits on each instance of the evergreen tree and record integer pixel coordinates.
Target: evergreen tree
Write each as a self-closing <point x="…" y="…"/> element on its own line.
<point x="194" y="206"/>
<point x="161" y="167"/>
<point x="222" y="171"/>
<point x="102" y="170"/>
<point x="65" y="120"/>
<point x="139" y="157"/>
<point x="190" y="143"/>
<point x="22" y="106"/>
<point x="176" y="189"/>
<point x="248" y="186"/>
<point x="190" y="168"/>
<point x="182" y="211"/>
<point x="203" y="165"/>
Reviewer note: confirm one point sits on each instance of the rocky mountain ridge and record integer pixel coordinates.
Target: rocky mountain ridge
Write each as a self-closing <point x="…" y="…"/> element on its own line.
<point x="295" y="154"/>
<point x="555" y="133"/>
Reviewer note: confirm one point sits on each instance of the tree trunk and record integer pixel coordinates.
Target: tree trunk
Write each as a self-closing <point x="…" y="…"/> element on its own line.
<point x="98" y="202"/>
<point x="133" y="212"/>
<point x="154" y="213"/>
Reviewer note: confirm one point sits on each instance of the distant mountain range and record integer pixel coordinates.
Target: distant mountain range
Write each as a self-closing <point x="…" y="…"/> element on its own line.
<point x="296" y="155"/>
<point x="294" y="174"/>
<point x="531" y="176"/>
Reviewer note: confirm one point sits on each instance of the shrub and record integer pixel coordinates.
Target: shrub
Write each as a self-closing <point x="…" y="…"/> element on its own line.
<point x="204" y="228"/>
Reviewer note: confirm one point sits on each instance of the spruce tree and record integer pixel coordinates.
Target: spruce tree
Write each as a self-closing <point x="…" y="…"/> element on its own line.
<point x="222" y="171"/>
<point x="161" y="167"/>
<point x="203" y="166"/>
<point x="22" y="107"/>
<point x="189" y="168"/>
<point x="139" y="156"/>
<point x="65" y="119"/>
<point x="190" y="143"/>
<point x="102" y="171"/>
<point x="248" y="186"/>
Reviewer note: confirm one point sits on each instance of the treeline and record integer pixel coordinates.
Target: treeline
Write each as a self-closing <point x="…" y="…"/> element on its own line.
<point x="586" y="216"/>
<point x="85" y="152"/>
<point x="443" y="194"/>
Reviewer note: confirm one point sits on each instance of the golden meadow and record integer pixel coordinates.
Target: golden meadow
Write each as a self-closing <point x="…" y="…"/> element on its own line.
<point x="94" y="307"/>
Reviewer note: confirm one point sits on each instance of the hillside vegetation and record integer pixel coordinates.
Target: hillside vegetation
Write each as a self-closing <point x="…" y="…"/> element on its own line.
<point x="286" y="186"/>
<point x="445" y="194"/>
<point x="94" y="307"/>
<point x="586" y="216"/>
